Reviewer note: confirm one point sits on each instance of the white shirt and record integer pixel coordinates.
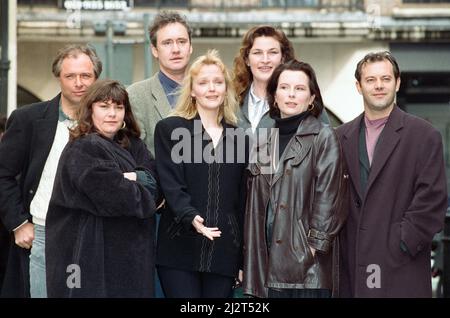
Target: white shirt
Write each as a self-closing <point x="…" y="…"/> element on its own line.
<point x="39" y="204"/>
<point x="257" y="108"/>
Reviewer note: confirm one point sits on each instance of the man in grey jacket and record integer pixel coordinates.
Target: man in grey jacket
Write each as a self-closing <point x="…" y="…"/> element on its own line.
<point x="152" y="99"/>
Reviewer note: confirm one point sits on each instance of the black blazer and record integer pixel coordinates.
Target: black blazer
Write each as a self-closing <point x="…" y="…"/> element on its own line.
<point x="215" y="191"/>
<point x="24" y="149"/>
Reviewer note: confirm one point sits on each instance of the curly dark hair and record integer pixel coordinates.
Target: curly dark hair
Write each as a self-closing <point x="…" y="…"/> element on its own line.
<point x="103" y="91"/>
<point x="242" y="74"/>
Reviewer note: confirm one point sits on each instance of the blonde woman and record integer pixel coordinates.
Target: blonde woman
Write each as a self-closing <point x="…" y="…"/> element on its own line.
<point x="201" y="158"/>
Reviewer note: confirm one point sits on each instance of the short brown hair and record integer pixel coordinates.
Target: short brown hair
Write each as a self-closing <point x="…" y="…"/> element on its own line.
<point x="164" y="18"/>
<point x="73" y="50"/>
<point x="243" y="76"/>
<point x="314" y="88"/>
<point x="377" y="57"/>
<point x="103" y="91"/>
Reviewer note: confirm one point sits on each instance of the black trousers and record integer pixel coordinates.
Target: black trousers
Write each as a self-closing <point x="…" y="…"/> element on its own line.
<point x="178" y="283"/>
<point x="299" y="293"/>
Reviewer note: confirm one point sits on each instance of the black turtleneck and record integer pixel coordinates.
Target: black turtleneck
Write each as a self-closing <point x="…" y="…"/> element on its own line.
<point x="287" y="128"/>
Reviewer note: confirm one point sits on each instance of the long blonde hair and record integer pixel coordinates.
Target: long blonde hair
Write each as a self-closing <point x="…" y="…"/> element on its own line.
<point x="186" y="107"/>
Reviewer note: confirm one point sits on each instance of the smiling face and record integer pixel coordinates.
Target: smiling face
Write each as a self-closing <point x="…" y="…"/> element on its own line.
<point x="378" y="87"/>
<point x="209" y="88"/>
<point x="173" y="49"/>
<point x="77" y="74"/>
<point x="108" y="117"/>
<point x="264" y="56"/>
<point x="293" y="95"/>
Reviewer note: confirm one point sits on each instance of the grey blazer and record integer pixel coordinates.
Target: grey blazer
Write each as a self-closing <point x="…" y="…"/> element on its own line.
<point x="150" y="104"/>
<point x="243" y="121"/>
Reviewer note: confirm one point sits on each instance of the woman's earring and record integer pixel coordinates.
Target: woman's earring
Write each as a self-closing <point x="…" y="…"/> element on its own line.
<point x="311" y="107"/>
<point x="124" y="125"/>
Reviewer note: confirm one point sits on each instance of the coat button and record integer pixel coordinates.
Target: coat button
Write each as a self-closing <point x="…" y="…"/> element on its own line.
<point x="278" y="241"/>
<point x="31" y="192"/>
<point x="357" y="203"/>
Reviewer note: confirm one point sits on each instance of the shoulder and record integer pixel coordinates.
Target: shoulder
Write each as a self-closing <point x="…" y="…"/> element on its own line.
<point x="136" y="143"/>
<point x="414" y="122"/>
<point x="325" y="130"/>
<point x="419" y="129"/>
<point x="91" y="144"/>
<point x="173" y="122"/>
<point x="143" y="86"/>
<point x="33" y="111"/>
<point x="139" y="86"/>
<point x="342" y="129"/>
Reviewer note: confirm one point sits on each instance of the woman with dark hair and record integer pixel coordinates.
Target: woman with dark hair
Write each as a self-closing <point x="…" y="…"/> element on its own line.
<point x="263" y="49"/>
<point x="100" y="227"/>
<point x="295" y="200"/>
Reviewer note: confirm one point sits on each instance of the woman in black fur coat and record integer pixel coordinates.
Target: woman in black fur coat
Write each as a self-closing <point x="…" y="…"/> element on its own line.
<point x="100" y="223"/>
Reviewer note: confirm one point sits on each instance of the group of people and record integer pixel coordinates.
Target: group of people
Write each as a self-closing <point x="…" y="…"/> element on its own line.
<point x="102" y="185"/>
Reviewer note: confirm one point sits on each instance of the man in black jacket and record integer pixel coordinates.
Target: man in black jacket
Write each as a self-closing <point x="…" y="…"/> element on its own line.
<point x="29" y="153"/>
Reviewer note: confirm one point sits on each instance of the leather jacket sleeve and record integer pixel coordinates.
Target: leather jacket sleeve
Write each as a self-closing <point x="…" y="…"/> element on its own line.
<point x="330" y="193"/>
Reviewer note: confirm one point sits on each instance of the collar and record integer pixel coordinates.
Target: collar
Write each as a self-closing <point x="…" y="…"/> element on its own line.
<point x="62" y="116"/>
<point x="255" y="99"/>
<point x="167" y="82"/>
<point x="196" y="127"/>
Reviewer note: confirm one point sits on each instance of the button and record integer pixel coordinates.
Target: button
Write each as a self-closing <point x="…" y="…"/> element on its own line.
<point x="357" y="203"/>
<point x="278" y="241"/>
<point x="419" y="247"/>
<point x="31" y="191"/>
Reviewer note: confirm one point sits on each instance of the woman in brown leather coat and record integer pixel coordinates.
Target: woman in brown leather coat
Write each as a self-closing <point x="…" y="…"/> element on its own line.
<point x="295" y="205"/>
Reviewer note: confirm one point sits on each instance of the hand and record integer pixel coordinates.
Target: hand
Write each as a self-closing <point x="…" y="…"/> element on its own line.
<point x="209" y="232"/>
<point x="161" y="204"/>
<point x="313" y="251"/>
<point x="24" y="235"/>
<point x="130" y="175"/>
<point x="238" y="280"/>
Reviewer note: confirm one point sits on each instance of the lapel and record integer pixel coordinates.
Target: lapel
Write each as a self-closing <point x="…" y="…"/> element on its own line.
<point x="386" y="144"/>
<point x="44" y="132"/>
<point x="297" y="148"/>
<point x="161" y="102"/>
<point x="260" y="157"/>
<point x="350" y="146"/>
<point x="244" y="109"/>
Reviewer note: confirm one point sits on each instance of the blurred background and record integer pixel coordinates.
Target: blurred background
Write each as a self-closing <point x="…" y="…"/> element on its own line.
<point x="331" y="35"/>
